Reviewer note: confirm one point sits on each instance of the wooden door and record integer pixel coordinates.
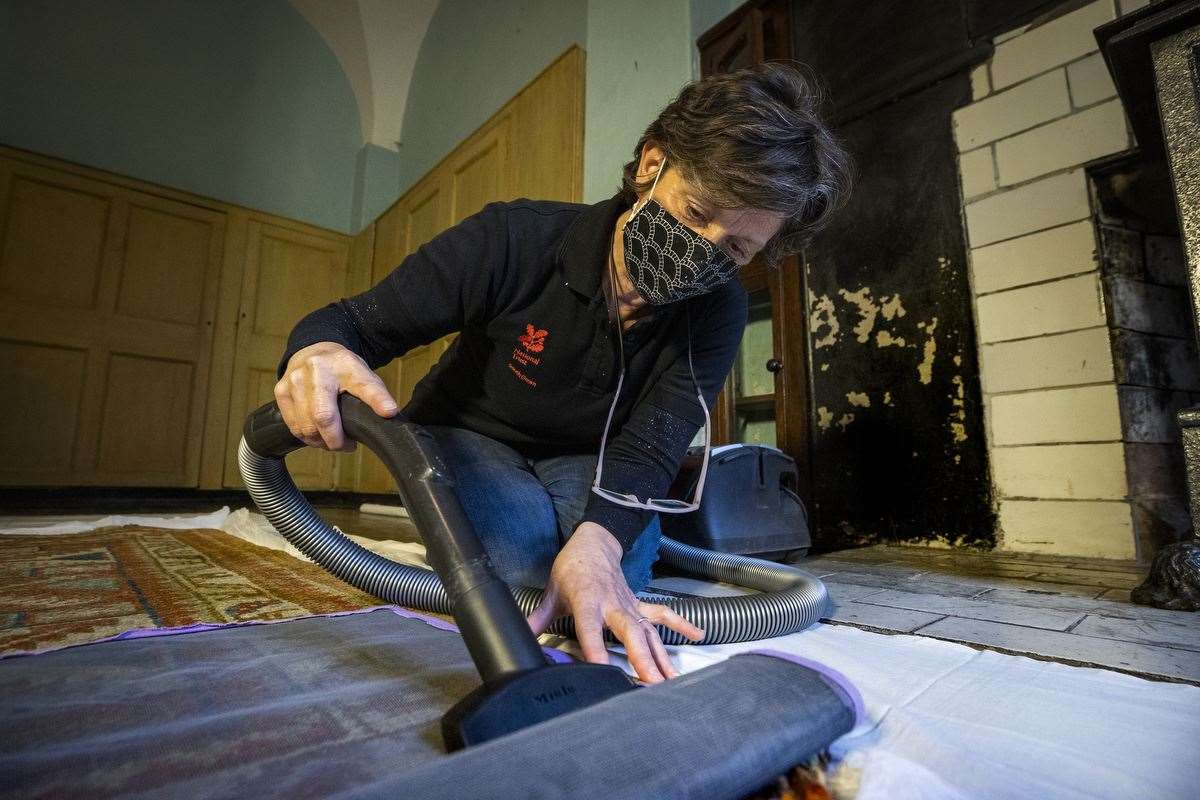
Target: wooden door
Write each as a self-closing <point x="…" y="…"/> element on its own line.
<point x="107" y="304"/>
<point x="288" y="271"/>
<point x="766" y="398"/>
<point x="754" y="32"/>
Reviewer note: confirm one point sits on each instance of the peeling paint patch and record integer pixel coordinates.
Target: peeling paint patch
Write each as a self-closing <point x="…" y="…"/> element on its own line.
<point x="867" y="311"/>
<point x="925" y="368"/>
<point x="959" y="416"/>
<point x="887" y="399"/>
<point x="823" y="316"/>
<point x="891" y="307"/>
<point x="845" y="420"/>
<point x="885" y="338"/>
<point x="958" y="361"/>
<point x="824" y="418"/>
<point x="825" y="367"/>
<point x="860" y="399"/>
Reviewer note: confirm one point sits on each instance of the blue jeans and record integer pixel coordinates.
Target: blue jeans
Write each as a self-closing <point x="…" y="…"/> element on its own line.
<point x="525" y="509"/>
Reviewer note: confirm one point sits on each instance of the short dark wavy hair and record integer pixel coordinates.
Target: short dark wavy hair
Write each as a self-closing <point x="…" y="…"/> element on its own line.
<point x="753" y="138"/>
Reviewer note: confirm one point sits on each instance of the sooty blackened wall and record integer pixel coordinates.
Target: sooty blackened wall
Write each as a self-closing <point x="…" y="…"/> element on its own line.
<point x="899" y="449"/>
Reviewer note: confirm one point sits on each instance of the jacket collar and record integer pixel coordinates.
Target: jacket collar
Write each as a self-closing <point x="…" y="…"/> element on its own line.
<point x="583" y="254"/>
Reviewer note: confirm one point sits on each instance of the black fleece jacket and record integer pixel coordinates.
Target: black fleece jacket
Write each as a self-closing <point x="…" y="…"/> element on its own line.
<point x="536" y="361"/>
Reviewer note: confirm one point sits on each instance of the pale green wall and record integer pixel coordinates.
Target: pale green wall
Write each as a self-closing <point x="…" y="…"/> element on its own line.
<point x="639" y="57"/>
<point x="376" y="182"/>
<point x="475" y="57"/>
<point x="239" y="101"/>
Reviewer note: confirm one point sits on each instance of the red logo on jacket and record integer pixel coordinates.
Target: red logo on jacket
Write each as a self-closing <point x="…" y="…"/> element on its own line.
<point x="534" y="339"/>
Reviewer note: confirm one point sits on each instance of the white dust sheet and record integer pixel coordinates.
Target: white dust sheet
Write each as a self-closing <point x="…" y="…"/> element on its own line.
<point x="943" y="720"/>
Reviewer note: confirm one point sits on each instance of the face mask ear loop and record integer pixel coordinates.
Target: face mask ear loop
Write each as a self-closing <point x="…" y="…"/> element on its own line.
<point x="657" y="175"/>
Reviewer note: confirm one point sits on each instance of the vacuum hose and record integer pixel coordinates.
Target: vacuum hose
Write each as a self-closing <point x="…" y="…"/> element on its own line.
<point x="790" y="599"/>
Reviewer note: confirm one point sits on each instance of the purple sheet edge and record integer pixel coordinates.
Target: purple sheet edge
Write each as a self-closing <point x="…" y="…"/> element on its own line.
<point x="558" y="656"/>
<point x="838" y="681"/>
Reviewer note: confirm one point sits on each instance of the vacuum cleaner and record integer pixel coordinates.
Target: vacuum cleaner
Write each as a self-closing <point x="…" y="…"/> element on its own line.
<point x="520" y="686"/>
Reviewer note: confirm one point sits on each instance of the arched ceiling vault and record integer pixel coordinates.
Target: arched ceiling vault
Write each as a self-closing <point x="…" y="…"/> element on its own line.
<point x="376" y="42"/>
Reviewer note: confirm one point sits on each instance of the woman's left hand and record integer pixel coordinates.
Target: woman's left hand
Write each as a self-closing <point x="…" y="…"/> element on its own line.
<point x="586" y="582"/>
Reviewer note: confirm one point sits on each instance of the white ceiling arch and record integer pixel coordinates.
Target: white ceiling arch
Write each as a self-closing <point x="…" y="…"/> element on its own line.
<point x="376" y="42"/>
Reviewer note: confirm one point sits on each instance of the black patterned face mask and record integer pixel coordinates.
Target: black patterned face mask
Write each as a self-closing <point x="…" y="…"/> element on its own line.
<point x="668" y="261"/>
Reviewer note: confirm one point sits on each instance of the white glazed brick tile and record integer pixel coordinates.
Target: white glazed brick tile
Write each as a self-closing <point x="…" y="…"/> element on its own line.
<point x="1078" y="414"/>
<point x="978" y="170"/>
<point x="1090" y="81"/>
<point x="1065" y="250"/>
<point x="1061" y="40"/>
<point x="1063" y="471"/>
<point x="1067" y="142"/>
<point x="981" y="84"/>
<point x="1003" y="114"/>
<point x="1065" y="359"/>
<point x="1055" y="307"/>
<point x="1087" y="528"/>
<point x="1045" y="203"/>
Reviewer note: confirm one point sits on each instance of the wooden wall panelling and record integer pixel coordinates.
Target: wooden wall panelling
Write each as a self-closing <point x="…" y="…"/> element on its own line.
<point x="358" y="279"/>
<point x="482" y="169"/>
<point x="549" y="152"/>
<point x="415" y="219"/>
<point x="290" y="269"/>
<point x="389" y="245"/>
<point x="108" y="298"/>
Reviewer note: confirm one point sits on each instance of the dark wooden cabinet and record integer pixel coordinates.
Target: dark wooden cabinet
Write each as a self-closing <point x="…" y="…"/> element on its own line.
<point x="766" y="399"/>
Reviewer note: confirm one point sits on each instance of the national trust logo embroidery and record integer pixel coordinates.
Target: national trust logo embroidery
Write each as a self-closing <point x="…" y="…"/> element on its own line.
<point x="533" y="340"/>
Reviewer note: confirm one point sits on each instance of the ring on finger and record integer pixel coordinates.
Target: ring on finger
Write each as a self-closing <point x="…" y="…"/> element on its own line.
<point x="640" y="620"/>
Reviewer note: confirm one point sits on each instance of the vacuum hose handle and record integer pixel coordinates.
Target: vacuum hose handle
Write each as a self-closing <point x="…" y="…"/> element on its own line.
<point x="496" y="632"/>
<point x="267" y="434"/>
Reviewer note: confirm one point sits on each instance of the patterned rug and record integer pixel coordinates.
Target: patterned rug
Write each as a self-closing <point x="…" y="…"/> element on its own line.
<point x="72" y="589"/>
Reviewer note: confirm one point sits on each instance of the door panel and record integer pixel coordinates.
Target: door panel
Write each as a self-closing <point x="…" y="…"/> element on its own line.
<point x="288" y="272"/>
<point x="482" y="169"/>
<point x="54" y="240"/>
<point x="753" y="384"/>
<point x="43" y="391"/>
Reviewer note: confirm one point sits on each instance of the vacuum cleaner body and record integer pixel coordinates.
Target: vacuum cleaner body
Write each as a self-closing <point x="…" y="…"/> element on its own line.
<point x="750" y="503"/>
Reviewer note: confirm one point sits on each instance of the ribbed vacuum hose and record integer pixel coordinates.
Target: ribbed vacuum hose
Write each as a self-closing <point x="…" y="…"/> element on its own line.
<point x="790" y="600"/>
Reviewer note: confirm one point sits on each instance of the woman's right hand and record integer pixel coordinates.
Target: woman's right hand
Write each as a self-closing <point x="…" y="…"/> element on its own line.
<point x="307" y="394"/>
